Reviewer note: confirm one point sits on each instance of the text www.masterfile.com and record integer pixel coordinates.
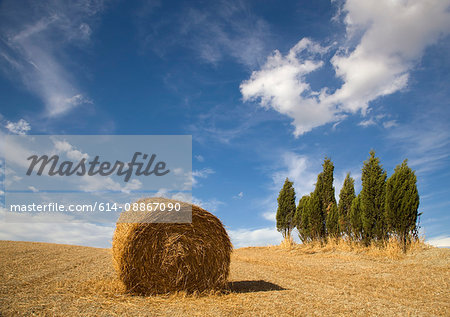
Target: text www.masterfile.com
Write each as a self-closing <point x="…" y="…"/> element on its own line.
<point x="94" y="207"/>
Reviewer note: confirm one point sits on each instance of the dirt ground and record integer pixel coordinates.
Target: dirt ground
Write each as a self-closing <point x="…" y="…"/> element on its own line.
<point x="61" y="280"/>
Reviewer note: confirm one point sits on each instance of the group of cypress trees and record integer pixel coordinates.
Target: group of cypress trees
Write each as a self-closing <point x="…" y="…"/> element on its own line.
<point x="383" y="209"/>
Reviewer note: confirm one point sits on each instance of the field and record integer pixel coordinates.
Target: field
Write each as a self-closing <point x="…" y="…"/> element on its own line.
<point x="50" y="279"/>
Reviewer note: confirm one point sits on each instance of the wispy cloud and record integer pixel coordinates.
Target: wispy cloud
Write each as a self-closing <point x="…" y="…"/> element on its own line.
<point x="377" y="121"/>
<point x="217" y="30"/>
<point x="211" y="131"/>
<point x="33" y="38"/>
<point x="425" y="142"/>
<point x="367" y="123"/>
<point x="390" y="39"/>
<point x="203" y="173"/>
<point x="239" y="196"/>
<point x="390" y="124"/>
<point x="228" y="28"/>
<point x="226" y="123"/>
<point x="199" y="158"/>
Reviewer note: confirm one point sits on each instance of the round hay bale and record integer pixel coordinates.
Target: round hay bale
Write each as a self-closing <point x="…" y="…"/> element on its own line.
<point x="157" y="258"/>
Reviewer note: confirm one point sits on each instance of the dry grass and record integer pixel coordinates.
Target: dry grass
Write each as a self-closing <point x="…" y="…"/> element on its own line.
<point x="391" y="249"/>
<point x="39" y="279"/>
<point x="158" y="258"/>
<point x="288" y="243"/>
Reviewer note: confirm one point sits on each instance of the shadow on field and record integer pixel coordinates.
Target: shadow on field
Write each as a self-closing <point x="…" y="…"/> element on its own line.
<point x="253" y="286"/>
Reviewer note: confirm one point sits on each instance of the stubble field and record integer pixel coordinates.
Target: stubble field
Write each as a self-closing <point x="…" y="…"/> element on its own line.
<point x="60" y="280"/>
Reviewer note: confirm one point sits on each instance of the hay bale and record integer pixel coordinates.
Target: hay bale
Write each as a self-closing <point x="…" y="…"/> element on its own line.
<point x="156" y="258"/>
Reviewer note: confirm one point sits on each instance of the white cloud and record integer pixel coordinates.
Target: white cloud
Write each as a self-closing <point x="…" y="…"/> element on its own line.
<point x="376" y="120"/>
<point x="162" y="192"/>
<point x="189" y="179"/>
<point x="367" y="123"/>
<point x="181" y="196"/>
<point x="395" y="34"/>
<point x="20" y="127"/>
<point x="299" y="170"/>
<point x="89" y="234"/>
<point x="71" y="152"/>
<point x="13" y="152"/>
<point x="211" y="205"/>
<point x="77" y="100"/>
<point x="339" y="178"/>
<point x="86" y="234"/>
<point x="199" y="158"/>
<point x="85" y="30"/>
<point x="391" y="38"/>
<point x="33" y="189"/>
<point x="270" y="215"/>
<point x="239" y="196"/>
<point x="99" y="183"/>
<point x="203" y="173"/>
<point x="34" y="47"/>
<point x="134" y="184"/>
<point x="440" y="241"/>
<point x="43" y="230"/>
<point x="390" y="124"/>
<point x="281" y="85"/>
<point x="178" y="171"/>
<point x="10" y="177"/>
<point x="255" y="237"/>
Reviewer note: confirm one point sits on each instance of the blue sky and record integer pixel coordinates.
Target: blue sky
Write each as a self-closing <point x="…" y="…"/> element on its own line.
<point x="266" y="90"/>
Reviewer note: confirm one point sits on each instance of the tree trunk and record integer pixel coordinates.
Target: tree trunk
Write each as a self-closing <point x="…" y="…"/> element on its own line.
<point x="404" y="242"/>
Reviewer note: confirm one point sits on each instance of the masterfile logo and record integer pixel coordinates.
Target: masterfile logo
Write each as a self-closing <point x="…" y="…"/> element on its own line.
<point x="95" y="167"/>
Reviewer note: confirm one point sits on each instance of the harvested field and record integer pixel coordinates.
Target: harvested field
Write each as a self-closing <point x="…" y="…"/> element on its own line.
<point x="51" y="279"/>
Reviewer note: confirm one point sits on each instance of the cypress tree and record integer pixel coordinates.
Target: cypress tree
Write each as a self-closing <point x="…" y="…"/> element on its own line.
<point x="301" y="218"/>
<point x="322" y="200"/>
<point x="286" y="208"/>
<point x="328" y="198"/>
<point x="355" y="220"/>
<point x="306" y="219"/>
<point x="333" y="222"/>
<point x="316" y="216"/>
<point x="402" y="203"/>
<point x="346" y="197"/>
<point x="297" y="219"/>
<point x="372" y="199"/>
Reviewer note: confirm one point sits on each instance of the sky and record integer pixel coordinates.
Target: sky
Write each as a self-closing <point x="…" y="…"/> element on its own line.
<point x="266" y="89"/>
